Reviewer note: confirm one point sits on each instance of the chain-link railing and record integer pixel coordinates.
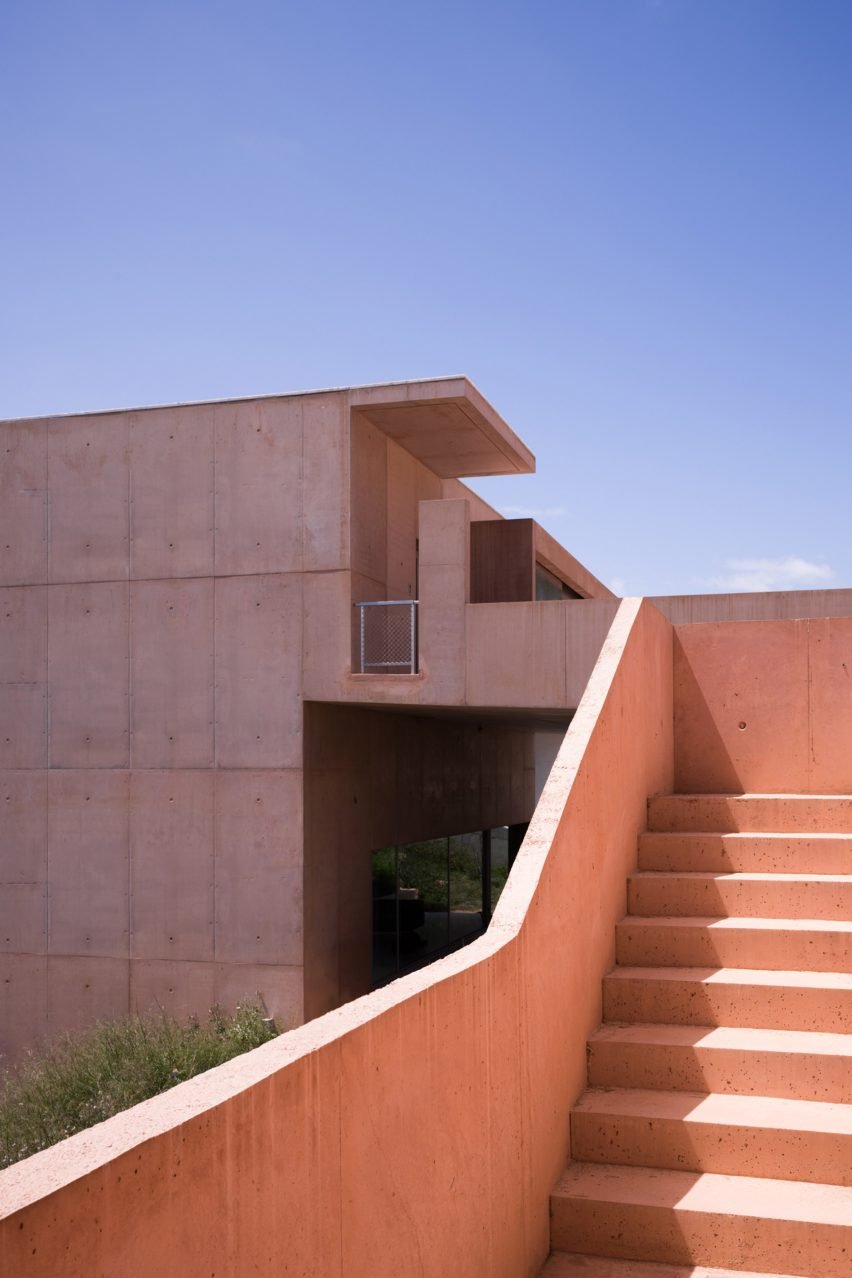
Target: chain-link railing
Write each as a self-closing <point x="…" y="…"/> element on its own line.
<point x="387" y="632"/>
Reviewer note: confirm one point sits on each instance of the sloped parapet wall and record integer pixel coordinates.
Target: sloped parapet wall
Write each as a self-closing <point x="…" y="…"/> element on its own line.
<point x="418" y="1130"/>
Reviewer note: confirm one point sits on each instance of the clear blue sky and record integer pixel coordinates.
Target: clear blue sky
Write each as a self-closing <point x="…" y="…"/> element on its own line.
<point x="628" y="221"/>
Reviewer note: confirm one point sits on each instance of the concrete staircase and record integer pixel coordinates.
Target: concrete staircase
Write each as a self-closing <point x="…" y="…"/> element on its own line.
<point x="716" y="1135"/>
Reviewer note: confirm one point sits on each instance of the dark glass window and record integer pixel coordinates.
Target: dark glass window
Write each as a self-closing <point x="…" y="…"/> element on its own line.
<point x="431" y="897"/>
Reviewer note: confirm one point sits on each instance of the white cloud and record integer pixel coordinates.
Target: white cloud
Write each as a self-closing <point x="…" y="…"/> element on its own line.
<point x="618" y="586"/>
<point x="533" y="512"/>
<point x="791" y="573"/>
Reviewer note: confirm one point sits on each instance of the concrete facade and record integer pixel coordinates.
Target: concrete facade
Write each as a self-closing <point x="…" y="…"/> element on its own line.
<point x="474" y="1115"/>
<point x="176" y="594"/>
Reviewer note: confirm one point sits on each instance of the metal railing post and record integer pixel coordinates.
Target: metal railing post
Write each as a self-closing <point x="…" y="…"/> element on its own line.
<point x="413" y="639"/>
<point x="361" y="610"/>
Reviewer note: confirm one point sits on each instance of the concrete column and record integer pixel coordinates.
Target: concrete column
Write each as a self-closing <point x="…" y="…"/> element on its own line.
<point x="444" y="588"/>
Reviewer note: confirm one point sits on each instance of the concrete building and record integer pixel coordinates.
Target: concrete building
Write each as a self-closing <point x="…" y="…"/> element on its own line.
<point x="642" y="1066"/>
<point x="198" y="758"/>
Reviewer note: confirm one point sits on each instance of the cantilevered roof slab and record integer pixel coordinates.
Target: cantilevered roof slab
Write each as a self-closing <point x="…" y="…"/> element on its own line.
<point x="447" y="425"/>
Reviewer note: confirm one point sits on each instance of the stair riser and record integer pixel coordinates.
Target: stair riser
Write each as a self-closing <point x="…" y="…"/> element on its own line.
<point x="736" y="898"/>
<point x="726" y="813"/>
<point x="702" y="946"/>
<point x="824" y="1158"/>
<point x="740" y="853"/>
<point x="672" y="1067"/>
<point x="677" y="1236"/>
<point x="674" y="1002"/>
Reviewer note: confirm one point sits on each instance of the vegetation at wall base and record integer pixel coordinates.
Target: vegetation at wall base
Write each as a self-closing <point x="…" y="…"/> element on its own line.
<point x="84" y="1078"/>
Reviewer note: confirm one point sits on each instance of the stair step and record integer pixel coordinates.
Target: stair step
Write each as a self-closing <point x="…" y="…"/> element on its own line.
<point x="777" y="896"/>
<point x="733" y="853"/>
<point x="687" y="1218"/>
<point x="719" y="1132"/>
<point x="814" y="945"/>
<point x="746" y="997"/>
<point x="768" y="813"/>
<point x="563" y="1264"/>
<point x="743" y="1061"/>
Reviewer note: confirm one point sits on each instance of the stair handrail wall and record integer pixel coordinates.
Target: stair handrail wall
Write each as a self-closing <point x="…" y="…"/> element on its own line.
<point x="419" y="1129"/>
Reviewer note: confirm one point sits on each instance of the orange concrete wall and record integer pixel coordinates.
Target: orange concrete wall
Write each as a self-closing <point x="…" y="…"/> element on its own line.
<point x="755" y="606"/>
<point x="420" y="1129"/>
<point x="153" y="567"/>
<point x="764" y="706"/>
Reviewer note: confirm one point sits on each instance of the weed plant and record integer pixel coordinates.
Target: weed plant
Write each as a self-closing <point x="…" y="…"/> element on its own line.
<point x="84" y="1078"/>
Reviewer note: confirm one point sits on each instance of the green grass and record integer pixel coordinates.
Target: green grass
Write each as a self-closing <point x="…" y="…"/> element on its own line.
<point x="84" y="1078"/>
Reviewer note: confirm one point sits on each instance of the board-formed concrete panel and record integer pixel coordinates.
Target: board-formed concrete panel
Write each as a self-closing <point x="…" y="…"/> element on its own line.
<point x="88" y="862"/>
<point x="23" y="502"/>
<point x="325" y="474"/>
<point x="171" y="486"/>
<point x="23" y="826"/>
<point x="741" y="707"/>
<point x="23" y="676"/>
<point x="516" y="654"/>
<point x="23" y="1004"/>
<point x="408" y="483"/>
<point x="258" y="671"/>
<point x="88" y="672"/>
<point x="171" y="853"/>
<point x="279" y="988"/>
<point x="23" y="634"/>
<point x="23" y="918"/>
<point x="258" y="486"/>
<point x="181" y="989"/>
<point x="326" y="636"/>
<point x="369" y="500"/>
<point x="81" y="991"/>
<point x="23" y="725"/>
<point x="830" y="705"/>
<point x="171" y="646"/>
<point x="89" y="533"/>
<point x="258" y="836"/>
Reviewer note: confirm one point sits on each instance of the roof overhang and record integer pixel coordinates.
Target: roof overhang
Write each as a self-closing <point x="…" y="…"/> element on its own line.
<point x="447" y="424"/>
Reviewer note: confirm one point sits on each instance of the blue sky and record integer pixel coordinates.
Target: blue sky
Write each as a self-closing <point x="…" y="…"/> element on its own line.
<point x="628" y="221"/>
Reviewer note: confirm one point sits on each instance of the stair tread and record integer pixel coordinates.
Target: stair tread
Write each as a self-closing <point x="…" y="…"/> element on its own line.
<point x="726" y="1036"/>
<point x="746" y="1197"/>
<point x="742" y="876"/>
<point x="746" y="921"/>
<point x="742" y="796"/>
<point x="743" y="835"/>
<point x="735" y="976"/>
<point x="563" y="1264"/>
<point x="746" y="795"/>
<point x="720" y="1107"/>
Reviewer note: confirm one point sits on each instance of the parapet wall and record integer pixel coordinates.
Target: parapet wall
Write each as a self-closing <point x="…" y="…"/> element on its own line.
<point x="417" y="1130"/>
<point x="764" y="706"/>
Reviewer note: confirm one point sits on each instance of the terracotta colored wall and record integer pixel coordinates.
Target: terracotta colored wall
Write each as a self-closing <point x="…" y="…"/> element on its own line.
<point x="764" y="706"/>
<point x="418" y="1130"/>
<point x="151" y="621"/>
<point x="755" y="606"/>
<point x="373" y="779"/>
